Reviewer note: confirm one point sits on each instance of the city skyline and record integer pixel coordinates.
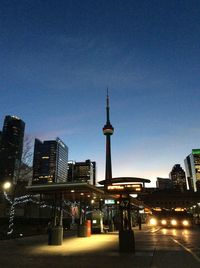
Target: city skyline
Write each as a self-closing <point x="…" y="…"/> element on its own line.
<point x="59" y="58"/>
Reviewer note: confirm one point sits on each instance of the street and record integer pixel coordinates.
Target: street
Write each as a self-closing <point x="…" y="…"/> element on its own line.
<point x="170" y="247"/>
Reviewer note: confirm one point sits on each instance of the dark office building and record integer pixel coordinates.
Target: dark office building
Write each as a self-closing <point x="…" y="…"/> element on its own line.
<point x="11" y="147"/>
<point x="163" y="183"/>
<point x="177" y="175"/>
<point x="82" y="172"/>
<point x="50" y="162"/>
<point x="0" y="138"/>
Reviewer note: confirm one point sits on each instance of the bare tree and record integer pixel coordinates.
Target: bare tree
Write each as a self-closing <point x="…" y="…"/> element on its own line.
<point x="25" y="170"/>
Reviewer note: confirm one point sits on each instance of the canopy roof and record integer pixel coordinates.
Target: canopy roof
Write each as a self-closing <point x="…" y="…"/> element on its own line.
<point x="125" y="180"/>
<point x="75" y="191"/>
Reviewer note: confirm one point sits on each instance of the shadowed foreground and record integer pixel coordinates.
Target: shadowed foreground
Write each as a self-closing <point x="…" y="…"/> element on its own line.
<point x="95" y="251"/>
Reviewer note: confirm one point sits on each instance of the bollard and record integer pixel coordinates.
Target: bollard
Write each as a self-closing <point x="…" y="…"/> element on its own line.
<point x="88" y="225"/>
<point x="126" y="241"/>
<point x="84" y="230"/>
<point x="55" y="236"/>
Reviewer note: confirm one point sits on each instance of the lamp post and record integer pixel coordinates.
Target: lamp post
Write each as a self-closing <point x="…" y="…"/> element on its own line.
<point x="7" y="185"/>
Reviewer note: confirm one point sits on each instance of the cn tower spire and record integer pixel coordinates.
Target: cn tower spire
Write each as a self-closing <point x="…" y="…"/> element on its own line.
<point x="108" y="131"/>
<point x="107" y="109"/>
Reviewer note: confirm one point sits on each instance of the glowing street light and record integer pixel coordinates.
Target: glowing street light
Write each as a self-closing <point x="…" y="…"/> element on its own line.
<point x="6" y="185"/>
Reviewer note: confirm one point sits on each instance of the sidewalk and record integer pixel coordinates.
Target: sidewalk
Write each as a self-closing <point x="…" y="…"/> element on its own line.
<point x="97" y="251"/>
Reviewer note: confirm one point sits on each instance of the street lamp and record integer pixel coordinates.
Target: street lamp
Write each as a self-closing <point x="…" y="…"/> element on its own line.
<point x="6" y="185"/>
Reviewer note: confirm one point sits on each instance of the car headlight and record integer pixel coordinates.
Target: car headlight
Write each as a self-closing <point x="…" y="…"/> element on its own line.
<point x="163" y="222"/>
<point x="153" y="221"/>
<point x="185" y="223"/>
<point x="173" y="222"/>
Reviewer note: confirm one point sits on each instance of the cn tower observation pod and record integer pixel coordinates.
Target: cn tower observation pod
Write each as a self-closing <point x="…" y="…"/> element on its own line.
<point x="125" y="180"/>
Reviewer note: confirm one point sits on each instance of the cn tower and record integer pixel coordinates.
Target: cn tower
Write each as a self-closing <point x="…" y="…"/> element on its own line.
<point x="108" y="131"/>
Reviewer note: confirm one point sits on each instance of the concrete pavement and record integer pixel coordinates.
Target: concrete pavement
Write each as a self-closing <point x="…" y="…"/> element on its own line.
<point x="99" y="250"/>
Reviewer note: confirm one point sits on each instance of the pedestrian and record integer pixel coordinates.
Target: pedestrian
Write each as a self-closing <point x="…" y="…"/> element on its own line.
<point x="49" y="232"/>
<point x="139" y="222"/>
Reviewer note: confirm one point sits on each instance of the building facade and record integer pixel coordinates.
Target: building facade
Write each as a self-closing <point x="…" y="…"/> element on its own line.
<point x="163" y="183"/>
<point x="82" y="172"/>
<point x="178" y="178"/>
<point x="167" y="199"/>
<point x="50" y="162"/>
<point x="192" y="166"/>
<point x="11" y="148"/>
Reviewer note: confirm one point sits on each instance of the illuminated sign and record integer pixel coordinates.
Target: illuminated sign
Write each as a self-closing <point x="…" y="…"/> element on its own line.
<point x="125" y="188"/>
<point x="196" y="151"/>
<point x="124" y="204"/>
<point x="109" y="201"/>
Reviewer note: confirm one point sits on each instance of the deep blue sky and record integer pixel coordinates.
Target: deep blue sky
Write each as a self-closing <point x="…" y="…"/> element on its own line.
<point x="58" y="57"/>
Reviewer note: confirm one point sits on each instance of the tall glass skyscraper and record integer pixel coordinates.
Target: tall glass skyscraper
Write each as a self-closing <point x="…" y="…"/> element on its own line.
<point x="11" y="147"/>
<point x="192" y="166"/>
<point x="50" y="162"/>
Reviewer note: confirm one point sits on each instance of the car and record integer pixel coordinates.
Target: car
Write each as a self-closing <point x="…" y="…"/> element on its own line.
<point x="171" y="219"/>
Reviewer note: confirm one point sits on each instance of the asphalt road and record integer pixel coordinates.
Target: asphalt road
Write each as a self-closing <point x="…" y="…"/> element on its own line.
<point x="171" y="247"/>
<point x="156" y="247"/>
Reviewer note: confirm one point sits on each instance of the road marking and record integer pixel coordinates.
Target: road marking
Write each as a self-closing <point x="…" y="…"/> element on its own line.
<point x="149" y="230"/>
<point x="187" y="249"/>
<point x="155" y="230"/>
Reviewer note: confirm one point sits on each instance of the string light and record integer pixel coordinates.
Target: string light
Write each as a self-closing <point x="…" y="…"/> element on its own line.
<point x="29" y="198"/>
